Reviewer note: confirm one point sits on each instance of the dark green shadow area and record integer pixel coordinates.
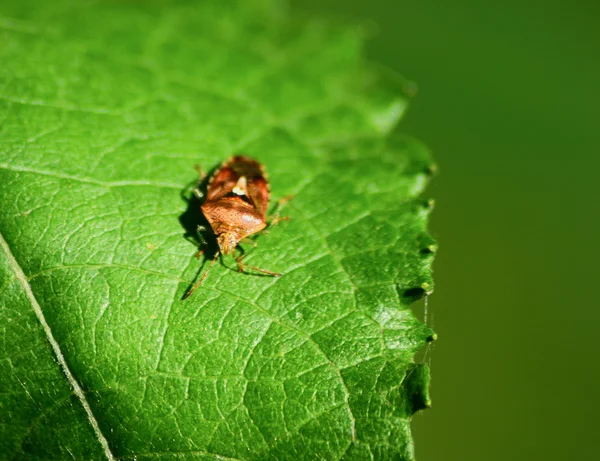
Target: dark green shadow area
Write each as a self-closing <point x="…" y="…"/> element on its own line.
<point x="508" y="102"/>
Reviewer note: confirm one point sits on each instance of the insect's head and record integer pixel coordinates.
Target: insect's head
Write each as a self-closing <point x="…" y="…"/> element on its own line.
<point x="227" y="242"/>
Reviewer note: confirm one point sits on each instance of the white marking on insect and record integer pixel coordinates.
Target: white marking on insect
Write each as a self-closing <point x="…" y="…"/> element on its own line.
<point x="241" y="187"/>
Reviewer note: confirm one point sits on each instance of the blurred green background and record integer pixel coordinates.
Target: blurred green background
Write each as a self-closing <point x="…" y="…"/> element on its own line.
<point x="509" y="103"/>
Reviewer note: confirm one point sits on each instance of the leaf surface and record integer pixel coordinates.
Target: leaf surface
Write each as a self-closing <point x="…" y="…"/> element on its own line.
<point x="104" y="109"/>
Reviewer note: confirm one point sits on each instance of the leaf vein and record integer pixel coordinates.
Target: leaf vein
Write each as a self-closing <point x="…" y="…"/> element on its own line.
<point x="109" y="184"/>
<point x="315" y="344"/>
<point x="24" y="282"/>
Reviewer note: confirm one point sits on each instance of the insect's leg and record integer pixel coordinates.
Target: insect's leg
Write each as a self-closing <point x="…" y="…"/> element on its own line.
<point x="194" y="186"/>
<point x="201" y="177"/>
<point x="275" y="218"/>
<point x="241" y="267"/>
<point x="201" y="173"/>
<point x="198" y="193"/>
<point x="249" y="241"/>
<point x="198" y="241"/>
<point x="199" y="282"/>
<point x="199" y="236"/>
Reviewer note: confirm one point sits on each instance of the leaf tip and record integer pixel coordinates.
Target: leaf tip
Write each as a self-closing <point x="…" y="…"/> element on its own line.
<point x="431" y="169"/>
<point x="429" y="204"/>
<point x="417" y="388"/>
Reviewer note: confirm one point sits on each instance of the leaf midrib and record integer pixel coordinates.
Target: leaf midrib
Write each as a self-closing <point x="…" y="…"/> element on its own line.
<point x="24" y="282"/>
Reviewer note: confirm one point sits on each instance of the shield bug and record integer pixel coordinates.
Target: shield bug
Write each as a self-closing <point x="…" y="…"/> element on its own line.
<point x="235" y="206"/>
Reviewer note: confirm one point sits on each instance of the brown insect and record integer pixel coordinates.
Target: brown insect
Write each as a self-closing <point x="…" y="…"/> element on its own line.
<point x="237" y="198"/>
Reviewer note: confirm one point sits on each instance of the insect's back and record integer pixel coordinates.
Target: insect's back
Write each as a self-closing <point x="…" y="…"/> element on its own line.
<point x="241" y="177"/>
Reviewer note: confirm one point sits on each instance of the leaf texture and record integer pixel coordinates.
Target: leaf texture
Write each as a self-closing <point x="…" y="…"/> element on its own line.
<point x="104" y="109"/>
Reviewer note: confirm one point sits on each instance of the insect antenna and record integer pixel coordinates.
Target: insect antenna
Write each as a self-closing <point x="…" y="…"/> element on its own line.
<point x="199" y="282"/>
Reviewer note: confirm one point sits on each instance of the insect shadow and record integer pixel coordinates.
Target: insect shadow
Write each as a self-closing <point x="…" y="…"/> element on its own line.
<point x="197" y="228"/>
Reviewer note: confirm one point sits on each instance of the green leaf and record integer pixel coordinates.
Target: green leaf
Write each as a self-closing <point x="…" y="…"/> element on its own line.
<point x="104" y="109"/>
